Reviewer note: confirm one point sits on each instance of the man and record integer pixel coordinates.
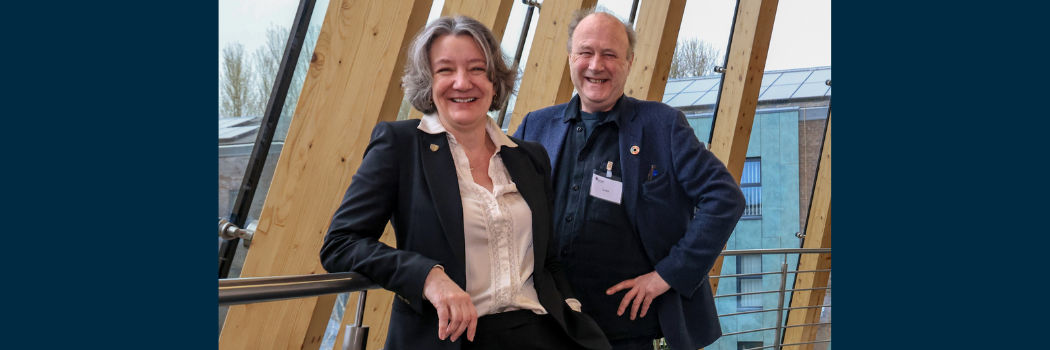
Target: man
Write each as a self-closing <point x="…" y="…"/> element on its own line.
<point x="641" y="209"/>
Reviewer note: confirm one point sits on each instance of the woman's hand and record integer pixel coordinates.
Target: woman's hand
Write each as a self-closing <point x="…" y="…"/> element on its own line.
<point x="456" y="312"/>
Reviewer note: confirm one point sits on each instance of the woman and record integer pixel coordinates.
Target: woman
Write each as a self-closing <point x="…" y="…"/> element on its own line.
<point x="470" y="209"/>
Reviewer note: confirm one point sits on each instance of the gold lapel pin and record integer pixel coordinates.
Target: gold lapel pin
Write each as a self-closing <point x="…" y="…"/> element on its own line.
<point x="433" y="147"/>
<point x="635" y="150"/>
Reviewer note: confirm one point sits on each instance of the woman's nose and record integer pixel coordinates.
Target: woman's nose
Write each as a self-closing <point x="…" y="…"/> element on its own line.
<point x="462" y="81"/>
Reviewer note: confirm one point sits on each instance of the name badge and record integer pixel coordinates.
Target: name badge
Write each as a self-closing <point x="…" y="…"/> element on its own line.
<point x="604" y="188"/>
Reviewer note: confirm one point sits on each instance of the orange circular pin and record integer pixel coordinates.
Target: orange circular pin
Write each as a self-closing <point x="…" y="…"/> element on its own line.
<point x="635" y="150"/>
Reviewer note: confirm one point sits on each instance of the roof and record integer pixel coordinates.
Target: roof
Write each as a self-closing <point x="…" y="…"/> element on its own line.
<point x="232" y="128"/>
<point x="776" y="85"/>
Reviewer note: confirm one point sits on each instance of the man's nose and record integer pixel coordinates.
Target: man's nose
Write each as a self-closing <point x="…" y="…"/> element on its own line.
<point x="595" y="63"/>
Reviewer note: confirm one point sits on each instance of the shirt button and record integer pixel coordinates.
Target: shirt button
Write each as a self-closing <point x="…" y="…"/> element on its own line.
<point x="564" y="253"/>
<point x="579" y="128"/>
<point x="575" y="187"/>
<point x="568" y="218"/>
<point x="580" y="157"/>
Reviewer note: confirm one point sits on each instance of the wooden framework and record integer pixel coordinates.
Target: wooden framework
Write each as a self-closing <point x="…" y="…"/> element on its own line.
<point x="353" y="82"/>
<point x="546" y="81"/>
<point x="493" y="13"/>
<point x="741" y="83"/>
<point x="658" y="24"/>
<point x="818" y="235"/>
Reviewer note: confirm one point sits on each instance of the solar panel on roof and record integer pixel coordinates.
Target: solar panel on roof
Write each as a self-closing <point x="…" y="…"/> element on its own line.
<point x="702" y="85"/>
<point x="792" y="78"/>
<point x="769" y="78"/>
<point x="777" y="92"/>
<point x="811" y="90"/>
<point x="819" y="76"/>
<point x="667" y="97"/>
<point x="709" y="98"/>
<point x="674" y="87"/>
<point x="685" y="99"/>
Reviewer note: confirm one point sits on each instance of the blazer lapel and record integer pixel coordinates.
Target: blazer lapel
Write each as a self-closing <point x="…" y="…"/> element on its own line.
<point x="531" y="189"/>
<point x="630" y="135"/>
<point x="440" y="173"/>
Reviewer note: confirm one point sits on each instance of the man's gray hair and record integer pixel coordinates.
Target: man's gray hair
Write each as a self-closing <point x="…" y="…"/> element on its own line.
<point x="418" y="80"/>
<point x="579" y="15"/>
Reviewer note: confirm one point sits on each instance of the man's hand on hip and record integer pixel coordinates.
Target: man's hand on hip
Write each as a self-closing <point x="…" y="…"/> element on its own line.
<point x="456" y="313"/>
<point x="644" y="289"/>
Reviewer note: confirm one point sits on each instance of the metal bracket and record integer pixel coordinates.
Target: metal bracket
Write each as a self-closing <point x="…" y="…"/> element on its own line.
<point x="532" y="3"/>
<point x="828" y="82"/>
<point x="228" y="231"/>
<point x="720" y="69"/>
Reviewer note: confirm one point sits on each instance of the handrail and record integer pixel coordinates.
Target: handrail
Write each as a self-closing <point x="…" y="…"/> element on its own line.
<point x="235" y="291"/>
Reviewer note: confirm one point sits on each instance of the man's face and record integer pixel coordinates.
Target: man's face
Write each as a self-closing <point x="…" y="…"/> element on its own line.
<point x="598" y="62"/>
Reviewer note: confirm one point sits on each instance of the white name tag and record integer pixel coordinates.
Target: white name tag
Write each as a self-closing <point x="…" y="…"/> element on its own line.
<point x="606" y="189"/>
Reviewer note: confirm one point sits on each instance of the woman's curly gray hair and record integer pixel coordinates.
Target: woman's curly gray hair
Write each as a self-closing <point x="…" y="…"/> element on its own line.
<point x="418" y="80"/>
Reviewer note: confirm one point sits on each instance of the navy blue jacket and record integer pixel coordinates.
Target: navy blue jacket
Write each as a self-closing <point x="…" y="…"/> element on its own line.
<point x="682" y="245"/>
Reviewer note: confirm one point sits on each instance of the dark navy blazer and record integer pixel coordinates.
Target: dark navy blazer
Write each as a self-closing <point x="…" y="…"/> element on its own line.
<point x="408" y="178"/>
<point x="682" y="245"/>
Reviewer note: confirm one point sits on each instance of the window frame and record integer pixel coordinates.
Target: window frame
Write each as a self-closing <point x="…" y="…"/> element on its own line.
<point x="757" y="184"/>
<point x="739" y="279"/>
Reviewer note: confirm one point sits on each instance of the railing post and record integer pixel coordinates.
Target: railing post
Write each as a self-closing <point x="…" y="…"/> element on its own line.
<point x="780" y="303"/>
<point x="356" y="335"/>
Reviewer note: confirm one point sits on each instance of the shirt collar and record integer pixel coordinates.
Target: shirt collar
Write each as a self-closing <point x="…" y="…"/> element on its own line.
<point x="572" y="112"/>
<point x="432" y="125"/>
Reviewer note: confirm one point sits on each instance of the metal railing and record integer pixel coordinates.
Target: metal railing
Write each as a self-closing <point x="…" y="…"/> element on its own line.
<point x="781" y="293"/>
<point x="264" y="289"/>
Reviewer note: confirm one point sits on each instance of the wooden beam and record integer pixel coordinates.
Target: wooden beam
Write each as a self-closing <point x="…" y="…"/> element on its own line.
<point x="740" y="86"/>
<point x="658" y="24"/>
<point x="546" y="81"/>
<point x="492" y="13"/>
<point x="378" y="304"/>
<point x="818" y="235"/>
<point x="352" y="83"/>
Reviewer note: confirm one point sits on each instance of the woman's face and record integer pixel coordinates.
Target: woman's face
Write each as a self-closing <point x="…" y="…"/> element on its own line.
<point x="462" y="90"/>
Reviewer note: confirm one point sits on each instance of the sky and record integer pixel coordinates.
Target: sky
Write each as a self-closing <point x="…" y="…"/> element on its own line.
<point x="801" y="31"/>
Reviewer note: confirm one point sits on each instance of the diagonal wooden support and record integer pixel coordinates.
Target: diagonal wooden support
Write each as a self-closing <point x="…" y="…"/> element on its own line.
<point x="741" y="83"/>
<point x="546" y="81"/>
<point x="818" y="235"/>
<point x="658" y="24"/>
<point x="353" y="82"/>
<point x="493" y="13"/>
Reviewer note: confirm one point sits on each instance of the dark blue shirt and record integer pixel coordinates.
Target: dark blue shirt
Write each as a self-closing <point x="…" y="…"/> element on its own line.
<point x="597" y="244"/>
